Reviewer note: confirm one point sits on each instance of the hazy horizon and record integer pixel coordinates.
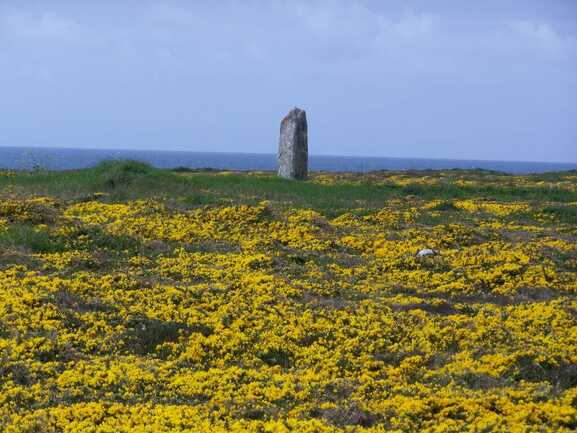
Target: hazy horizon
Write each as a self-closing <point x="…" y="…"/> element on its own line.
<point x="495" y="81"/>
<point x="135" y="149"/>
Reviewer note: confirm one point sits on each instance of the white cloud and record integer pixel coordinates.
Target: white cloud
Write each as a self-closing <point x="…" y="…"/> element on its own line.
<point x="44" y="26"/>
<point x="412" y="26"/>
<point x="542" y="36"/>
<point x="329" y="19"/>
<point x="352" y="25"/>
<point x="322" y="29"/>
<point x="297" y="32"/>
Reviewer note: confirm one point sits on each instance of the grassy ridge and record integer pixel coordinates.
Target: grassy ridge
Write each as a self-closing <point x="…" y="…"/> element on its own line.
<point x="123" y="180"/>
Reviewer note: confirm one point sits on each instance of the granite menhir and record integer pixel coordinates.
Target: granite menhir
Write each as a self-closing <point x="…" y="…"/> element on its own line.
<point x="293" y="152"/>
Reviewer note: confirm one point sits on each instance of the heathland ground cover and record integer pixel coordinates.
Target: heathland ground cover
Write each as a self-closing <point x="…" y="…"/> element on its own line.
<point x="140" y="300"/>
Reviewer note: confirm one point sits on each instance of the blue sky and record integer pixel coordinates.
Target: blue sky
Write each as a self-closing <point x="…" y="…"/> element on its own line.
<point x="495" y="79"/>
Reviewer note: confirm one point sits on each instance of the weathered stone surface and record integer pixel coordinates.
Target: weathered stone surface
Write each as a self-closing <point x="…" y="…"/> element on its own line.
<point x="293" y="153"/>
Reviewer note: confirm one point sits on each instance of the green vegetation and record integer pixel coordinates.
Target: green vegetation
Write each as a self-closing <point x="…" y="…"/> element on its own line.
<point x="29" y="238"/>
<point x="138" y="299"/>
<point x="123" y="180"/>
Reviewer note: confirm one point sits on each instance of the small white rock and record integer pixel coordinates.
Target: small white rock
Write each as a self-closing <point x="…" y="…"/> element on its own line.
<point x="427" y="252"/>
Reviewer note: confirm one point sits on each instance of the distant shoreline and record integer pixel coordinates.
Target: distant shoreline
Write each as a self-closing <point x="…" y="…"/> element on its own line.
<point x="68" y="158"/>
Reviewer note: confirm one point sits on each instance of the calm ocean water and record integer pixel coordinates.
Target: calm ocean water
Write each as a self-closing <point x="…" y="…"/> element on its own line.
<point x="58" y="159"/>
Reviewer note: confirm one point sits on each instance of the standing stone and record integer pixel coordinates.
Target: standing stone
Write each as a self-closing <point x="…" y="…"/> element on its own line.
<point x="293" y="152"/>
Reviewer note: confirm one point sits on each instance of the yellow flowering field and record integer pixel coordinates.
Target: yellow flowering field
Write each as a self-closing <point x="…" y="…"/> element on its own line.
<point x="236" y="302"/>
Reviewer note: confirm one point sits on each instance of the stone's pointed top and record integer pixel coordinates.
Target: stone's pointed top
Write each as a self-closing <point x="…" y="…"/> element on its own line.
<point x="296" y="113"/>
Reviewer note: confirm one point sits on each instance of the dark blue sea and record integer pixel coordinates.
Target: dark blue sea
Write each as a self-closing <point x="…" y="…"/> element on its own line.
<point x="62" y="159"/>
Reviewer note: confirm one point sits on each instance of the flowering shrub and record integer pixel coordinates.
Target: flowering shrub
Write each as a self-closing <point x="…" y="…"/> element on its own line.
<point x="147" y="317"/>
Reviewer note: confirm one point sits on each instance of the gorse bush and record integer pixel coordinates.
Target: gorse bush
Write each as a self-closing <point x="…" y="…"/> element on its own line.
<point x="34" y="210"/>
<point x="137" y="299"/>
